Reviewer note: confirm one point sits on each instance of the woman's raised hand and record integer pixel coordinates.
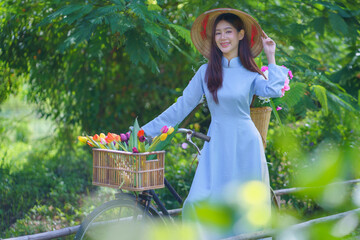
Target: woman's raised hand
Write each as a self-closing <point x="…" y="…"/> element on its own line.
<point x="269" y="48"/>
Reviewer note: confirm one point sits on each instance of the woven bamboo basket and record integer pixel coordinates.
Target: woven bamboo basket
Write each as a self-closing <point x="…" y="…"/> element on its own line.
<point x="261" y="118"/>
<point x="129" y="171"/>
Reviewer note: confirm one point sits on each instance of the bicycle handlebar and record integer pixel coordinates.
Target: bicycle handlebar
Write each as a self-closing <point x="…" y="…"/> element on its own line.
<point x="194" y="134"/>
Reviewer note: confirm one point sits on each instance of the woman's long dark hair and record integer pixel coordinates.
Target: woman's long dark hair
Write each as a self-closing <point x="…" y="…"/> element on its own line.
<point x="214" y="73"/>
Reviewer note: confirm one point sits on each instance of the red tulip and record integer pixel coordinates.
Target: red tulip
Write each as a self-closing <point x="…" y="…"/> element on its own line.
<point x="140" y="133"/>
<point x="96" y="138"/>
<point x="109" y="138"/>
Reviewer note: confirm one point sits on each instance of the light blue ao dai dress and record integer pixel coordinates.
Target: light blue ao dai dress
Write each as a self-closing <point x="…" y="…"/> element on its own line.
<point x="235" y="151"/>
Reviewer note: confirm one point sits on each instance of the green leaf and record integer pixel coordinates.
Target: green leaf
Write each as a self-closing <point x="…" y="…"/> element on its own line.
<point x="320" y="93"/>
<point x="338" y="101"/>
<point x="136" y="48"/>
<point x="93" y="142"/>
<point x="83" y="32"/>
<point x="104" y="11"/>
<point x="66" y="10"/>
<point x="141" y="11"/>
<point x="133" y="137"/>
<point x="319" y="25"/>
<point x="334" y="7"/>
<point x="338" y="23"/>
<point x="141" y="146"/>
<point x="275" y="112"/>
<point x="153" y="29"/>
<point x="123" y="146"/>
<point x="119" y="23"/>
<point x="293" y="96"/>
<point x="111" y="146"/>
<point x="183" y="33"/>
<point x="154" y="7"/>
<point x="78" y="14"/>
<point x="183" y="52"/>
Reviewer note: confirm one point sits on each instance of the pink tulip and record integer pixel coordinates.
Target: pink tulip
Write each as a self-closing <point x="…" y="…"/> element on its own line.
<point x="164" y="129"/>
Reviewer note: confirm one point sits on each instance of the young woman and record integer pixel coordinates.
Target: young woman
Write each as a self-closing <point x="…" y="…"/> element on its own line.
<point x="229" y="39"/>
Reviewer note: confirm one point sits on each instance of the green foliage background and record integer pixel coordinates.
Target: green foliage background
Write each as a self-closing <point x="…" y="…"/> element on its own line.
<point x="93" y="66"/>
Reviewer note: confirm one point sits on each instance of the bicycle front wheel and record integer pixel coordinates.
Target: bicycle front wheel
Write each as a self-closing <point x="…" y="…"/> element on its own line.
<point x="114" y="217"/>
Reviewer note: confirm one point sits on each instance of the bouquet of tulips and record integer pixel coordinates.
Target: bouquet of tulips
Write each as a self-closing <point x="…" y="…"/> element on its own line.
<point x="134" y="141"/>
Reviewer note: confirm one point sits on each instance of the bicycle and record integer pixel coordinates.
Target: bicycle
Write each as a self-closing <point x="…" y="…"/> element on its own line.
<point x="130" y="207"/>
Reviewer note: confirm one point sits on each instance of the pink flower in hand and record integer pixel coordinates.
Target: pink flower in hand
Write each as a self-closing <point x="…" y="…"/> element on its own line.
<point x="264" y="68"/>
<point x="290" y="74"/>
<point x="286" y="87"/>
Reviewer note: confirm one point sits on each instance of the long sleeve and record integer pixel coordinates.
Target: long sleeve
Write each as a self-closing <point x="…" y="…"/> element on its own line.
<point x="271" y="87"/>
<point x="181" y="108"/>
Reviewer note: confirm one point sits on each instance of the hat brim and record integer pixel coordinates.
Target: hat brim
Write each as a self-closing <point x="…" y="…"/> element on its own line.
<point x="201" y="30"/>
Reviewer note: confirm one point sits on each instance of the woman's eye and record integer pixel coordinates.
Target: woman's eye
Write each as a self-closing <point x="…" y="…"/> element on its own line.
<point x="217" y="33"/>
<point x="228" y="32"/>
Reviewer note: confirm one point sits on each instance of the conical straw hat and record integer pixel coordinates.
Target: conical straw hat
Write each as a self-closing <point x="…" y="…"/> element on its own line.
<point x="202" y="27"/>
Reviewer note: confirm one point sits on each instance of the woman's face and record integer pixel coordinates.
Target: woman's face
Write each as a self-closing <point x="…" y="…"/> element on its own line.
<point x="227" y="39"/>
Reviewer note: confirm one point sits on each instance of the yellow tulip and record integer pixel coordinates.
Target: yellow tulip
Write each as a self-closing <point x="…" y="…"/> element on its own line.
<point x="82" y="139"/>
<point x="102" y="135"/>
<point x="163" y="136"/>
<point x="170" y="131"/>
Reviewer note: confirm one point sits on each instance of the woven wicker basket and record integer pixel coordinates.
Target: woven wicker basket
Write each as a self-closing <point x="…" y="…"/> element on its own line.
<point x="129" y="171"/>
<point x="261" y="118"/>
